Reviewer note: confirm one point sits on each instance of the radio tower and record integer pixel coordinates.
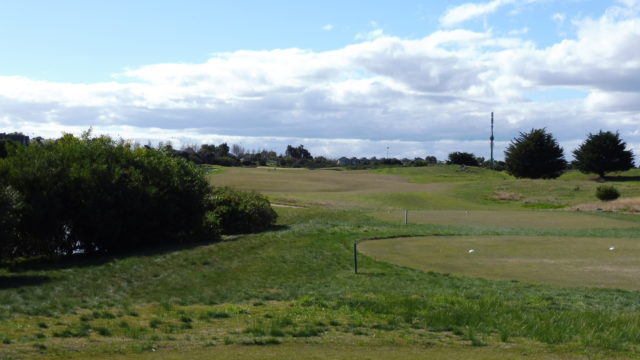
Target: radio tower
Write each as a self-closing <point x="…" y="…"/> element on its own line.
<point x="491" y="138"/>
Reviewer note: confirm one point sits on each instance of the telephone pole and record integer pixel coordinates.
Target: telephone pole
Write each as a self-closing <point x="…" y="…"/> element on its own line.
<point x="491" y="138"/>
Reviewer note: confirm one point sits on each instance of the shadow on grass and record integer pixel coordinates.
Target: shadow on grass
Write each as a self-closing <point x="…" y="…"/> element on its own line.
<point x="621" y="178"/>
<point x="10" y="282"/>
<point x="58" y="262"/>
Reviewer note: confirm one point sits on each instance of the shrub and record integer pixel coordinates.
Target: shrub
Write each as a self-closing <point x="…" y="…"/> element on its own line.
<point x="606" y="193"/>
<point x="240" y="211"/>
<point x="10" y="207"/>
<point x="95" y="194"/>
<point x="462" y="158"/>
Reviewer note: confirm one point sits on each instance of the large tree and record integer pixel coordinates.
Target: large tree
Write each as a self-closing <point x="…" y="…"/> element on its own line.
<point x="298" y="152"/>
<point x="603" y="152"/>
<point x="535" y="155"/>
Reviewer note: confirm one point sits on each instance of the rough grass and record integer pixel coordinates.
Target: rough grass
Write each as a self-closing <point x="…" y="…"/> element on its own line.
<point x="291" y="292"/>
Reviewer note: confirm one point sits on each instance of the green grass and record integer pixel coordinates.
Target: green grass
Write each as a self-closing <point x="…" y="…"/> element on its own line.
<point x="292" y="293"/>
<point x="565" y="261"/>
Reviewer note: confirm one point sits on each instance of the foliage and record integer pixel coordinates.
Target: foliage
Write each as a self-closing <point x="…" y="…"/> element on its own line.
<point x="241" y="211"/>
<point x="298" y="152"/>
<point x="606" y="193"/>
<point x="100" y="195"/>
<point x="462" y="158"/>
<point x="603" y="152"/>
<point x="10" y="206"/>
<point x="535" y="155"/>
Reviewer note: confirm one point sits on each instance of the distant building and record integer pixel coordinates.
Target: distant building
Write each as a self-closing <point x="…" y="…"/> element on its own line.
<point x="345" y="161"/>
<point x="17" y="137"/>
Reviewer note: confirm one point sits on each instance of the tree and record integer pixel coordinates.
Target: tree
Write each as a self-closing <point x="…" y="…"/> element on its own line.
<point x="298" y="152"/>
<point x="603" y="152"/>
<point x="462" y="158"/>
<point x="535" y="155"/>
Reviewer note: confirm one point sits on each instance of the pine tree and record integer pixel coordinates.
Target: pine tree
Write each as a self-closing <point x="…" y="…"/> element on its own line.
<point x="603" y="152"/>
<point x="535" y="155"/>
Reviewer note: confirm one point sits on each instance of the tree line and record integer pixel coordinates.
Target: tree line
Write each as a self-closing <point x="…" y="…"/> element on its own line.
<point x="537" y="154"/>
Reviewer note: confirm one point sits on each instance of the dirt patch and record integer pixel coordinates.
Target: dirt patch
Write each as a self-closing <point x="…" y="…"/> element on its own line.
<point x="506" y="196"/>
<point x="287" y="206"/>
<point x="627" y="205"/>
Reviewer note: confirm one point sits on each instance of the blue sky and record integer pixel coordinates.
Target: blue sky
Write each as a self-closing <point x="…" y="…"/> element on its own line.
<point x="86" y="41"/>
<point x="344" y="78"/>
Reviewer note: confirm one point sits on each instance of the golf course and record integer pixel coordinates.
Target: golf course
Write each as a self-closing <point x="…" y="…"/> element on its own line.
<point x="454" y="262"/>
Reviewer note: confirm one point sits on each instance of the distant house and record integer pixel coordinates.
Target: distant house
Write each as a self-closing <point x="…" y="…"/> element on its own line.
<point x="17" y="137"/>
<point x="345" y="161"/>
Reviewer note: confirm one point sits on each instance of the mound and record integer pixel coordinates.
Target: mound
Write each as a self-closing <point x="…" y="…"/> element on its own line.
<point x="619" y="205"/>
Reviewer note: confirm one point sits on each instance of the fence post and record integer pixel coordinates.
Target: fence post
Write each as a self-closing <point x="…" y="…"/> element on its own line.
<point x="355" y="257"/>
<point x="406" y="217"/>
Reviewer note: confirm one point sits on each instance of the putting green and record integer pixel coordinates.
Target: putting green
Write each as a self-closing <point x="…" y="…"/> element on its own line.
<point x="562" y="261"/>
<point x="528" y="219"/>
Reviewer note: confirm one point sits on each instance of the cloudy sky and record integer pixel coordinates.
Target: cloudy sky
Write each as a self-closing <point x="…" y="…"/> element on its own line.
<point x="341" y="77"/>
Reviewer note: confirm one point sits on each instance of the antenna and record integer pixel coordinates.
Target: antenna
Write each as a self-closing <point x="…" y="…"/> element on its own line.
<point x="491" y="138"/>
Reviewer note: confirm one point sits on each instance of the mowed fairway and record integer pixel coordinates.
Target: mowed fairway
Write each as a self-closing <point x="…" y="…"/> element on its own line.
<point x="557" y="219"/>
<point x="567" y="261"/>
<point x="285" y="180"/>
<point x="325" y="188"/>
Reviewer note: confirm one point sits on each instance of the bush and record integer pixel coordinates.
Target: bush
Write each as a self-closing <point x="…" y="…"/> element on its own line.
<point x="606" y="193"/>
<point x="535" y="155"/>
<point x="240" y="211"/>
<point x="462" y="158"/>
<point x="10" y="207"/>
<point x="100" y="195"/>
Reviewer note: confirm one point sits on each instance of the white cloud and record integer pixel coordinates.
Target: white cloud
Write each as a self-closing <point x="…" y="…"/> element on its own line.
<point x="558" y="17"/>
<point x="520" y="31"/>
<point x="373" y="34"/>
<point x="468" y="11"/>
<point x="328" y="27"/>
<point x="430" y="95"/>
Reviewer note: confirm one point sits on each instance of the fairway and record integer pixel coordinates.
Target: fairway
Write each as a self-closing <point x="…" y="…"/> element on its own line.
<point x="554" y="260"/>
<point x="286" y="180"/>
<point x="557" y="219"/>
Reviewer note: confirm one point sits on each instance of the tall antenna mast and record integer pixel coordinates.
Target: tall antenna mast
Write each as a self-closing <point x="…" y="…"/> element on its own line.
<point x="491" y="138"/>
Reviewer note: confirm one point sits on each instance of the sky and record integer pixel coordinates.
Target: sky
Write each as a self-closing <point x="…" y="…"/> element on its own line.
<point x="343" y="78"/>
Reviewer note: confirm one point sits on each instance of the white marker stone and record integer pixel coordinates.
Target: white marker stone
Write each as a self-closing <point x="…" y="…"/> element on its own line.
<point x="471" y="251"/>
<point x="612" y="248"/>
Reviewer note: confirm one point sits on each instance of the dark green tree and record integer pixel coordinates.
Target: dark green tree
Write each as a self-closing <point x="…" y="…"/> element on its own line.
<point x="299" y="152"/>
<point x="462" y="158"/>
<point x="535" y="155"/>
<point x="603" y="152"/>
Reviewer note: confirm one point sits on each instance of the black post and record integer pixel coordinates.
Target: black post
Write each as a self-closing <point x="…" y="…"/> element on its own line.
<point x="355" y="257"/>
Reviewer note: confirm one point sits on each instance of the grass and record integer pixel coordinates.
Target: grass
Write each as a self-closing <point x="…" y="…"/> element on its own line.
<point x="291" y="292"/>
<point x="565" y="261"/>
<point x="511" y="219"/>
